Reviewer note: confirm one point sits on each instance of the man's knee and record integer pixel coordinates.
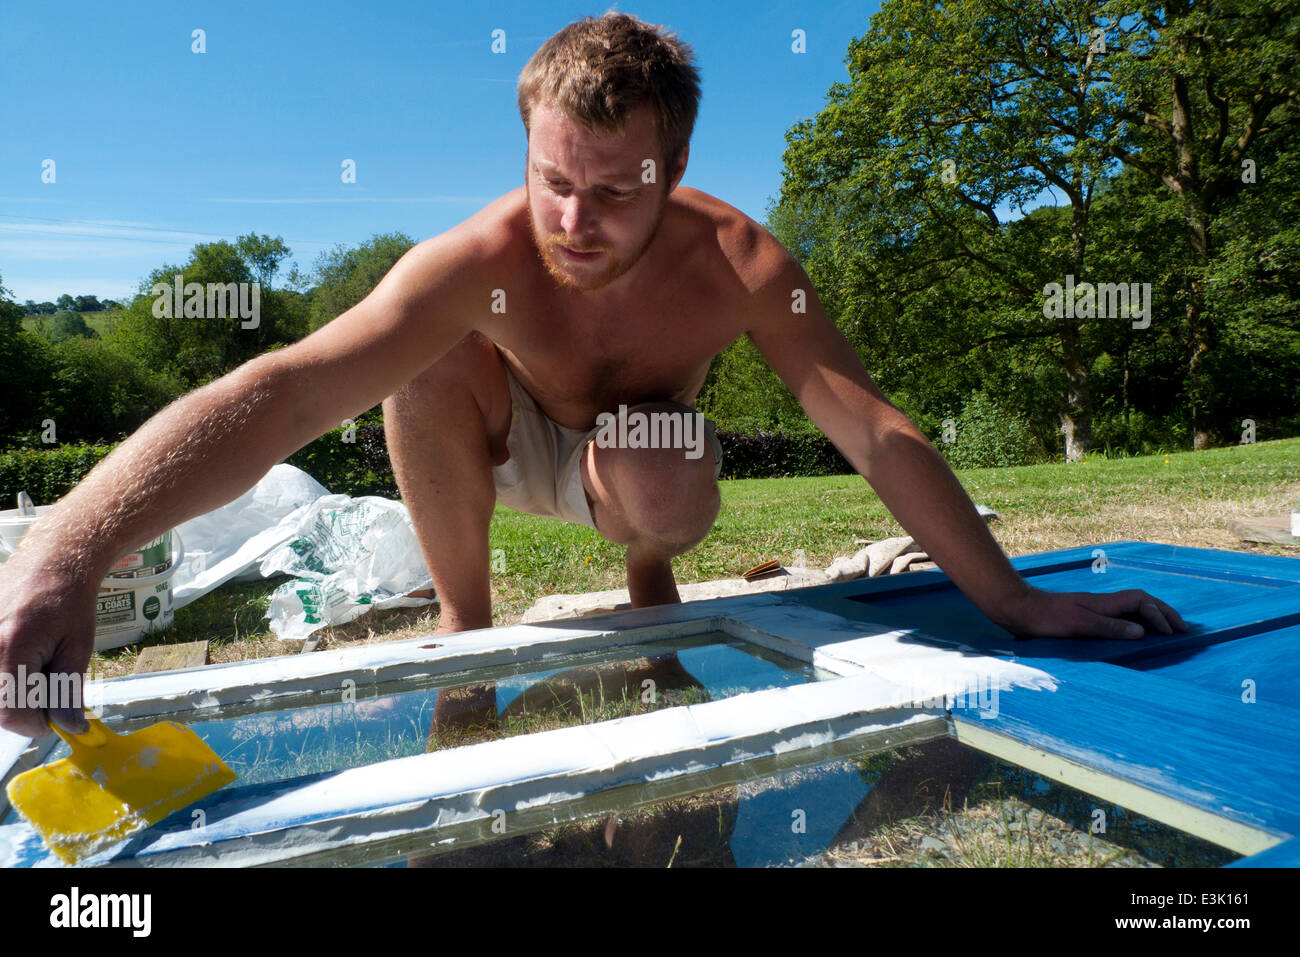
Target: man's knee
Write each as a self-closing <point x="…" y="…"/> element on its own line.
<point x="664" y="497"/>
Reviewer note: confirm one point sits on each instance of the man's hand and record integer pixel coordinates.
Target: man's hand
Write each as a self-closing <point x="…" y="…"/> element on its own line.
<point x="47" y="625"/>
<point x="1046" y="614"/>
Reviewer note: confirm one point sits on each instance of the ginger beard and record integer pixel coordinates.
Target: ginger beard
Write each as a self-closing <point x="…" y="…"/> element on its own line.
<point x="566" y="275"/>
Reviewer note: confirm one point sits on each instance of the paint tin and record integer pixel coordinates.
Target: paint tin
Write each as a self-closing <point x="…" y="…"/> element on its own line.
<point x="136" y="596"/>
<point x="137" y="600"/>
<point x="147" y="560"/>
<point x="14" y="523"/>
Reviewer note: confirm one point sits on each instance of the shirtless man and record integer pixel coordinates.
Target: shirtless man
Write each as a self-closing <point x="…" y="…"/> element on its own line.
<point x="599" y="283"/>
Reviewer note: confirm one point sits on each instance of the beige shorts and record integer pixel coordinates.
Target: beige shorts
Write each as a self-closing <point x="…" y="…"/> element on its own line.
<point x="543" y="475"/>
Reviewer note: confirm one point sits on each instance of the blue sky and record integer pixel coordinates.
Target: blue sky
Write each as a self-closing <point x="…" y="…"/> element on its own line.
<point x="157" y="148"/>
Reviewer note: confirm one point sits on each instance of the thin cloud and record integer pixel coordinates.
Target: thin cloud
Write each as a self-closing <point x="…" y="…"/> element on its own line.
<point x="99" y="229"/>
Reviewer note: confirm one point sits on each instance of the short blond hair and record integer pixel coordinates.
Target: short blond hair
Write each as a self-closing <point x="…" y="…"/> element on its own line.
<point x="597" y="71"/>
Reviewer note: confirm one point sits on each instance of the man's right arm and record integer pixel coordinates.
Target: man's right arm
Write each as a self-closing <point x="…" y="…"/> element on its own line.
<point x="212" y="445"/>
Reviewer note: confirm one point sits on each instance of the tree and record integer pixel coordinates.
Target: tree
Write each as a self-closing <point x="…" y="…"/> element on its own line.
<point x="958" y="113"/>
<point x="346" y="276"/>
<point x="66" y="302"/>
<point x="971" y="109"/>
<point x="24" y="370"/>
<point x="1198" y="85"/>
<point x="67" y="325"/>
<point x="95" y="393"/>
<point x="263" y="255"/>
<point x="198" y="349"/>
<point x="194" y="349"/>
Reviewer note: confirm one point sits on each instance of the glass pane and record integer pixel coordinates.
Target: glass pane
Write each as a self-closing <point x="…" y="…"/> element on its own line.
<point x="353" y="727"/>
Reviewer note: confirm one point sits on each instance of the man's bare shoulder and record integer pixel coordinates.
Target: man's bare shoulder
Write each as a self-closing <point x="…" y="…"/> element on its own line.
<point x="754" y="254"/>
<point x="490" y="235"/>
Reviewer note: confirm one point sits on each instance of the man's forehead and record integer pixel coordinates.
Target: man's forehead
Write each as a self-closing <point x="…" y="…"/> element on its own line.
<point x="554" y="126"/>
<point x="546" y="163"/>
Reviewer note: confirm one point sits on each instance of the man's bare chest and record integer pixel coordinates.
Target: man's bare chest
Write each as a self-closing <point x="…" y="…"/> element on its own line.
<point x="578" y="365"/>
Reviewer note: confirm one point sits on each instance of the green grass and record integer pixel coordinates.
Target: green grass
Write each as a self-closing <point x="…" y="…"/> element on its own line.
<point x="1184" y="498"/>
<point x="101" y="323"/>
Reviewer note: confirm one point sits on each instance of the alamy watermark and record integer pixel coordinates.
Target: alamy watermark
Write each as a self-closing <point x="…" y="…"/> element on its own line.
<point x="965" y="692"/>
<point x="213" y="300"/>
<point x="76" y="909"/>
<point x="1105" y="300"/>
<point x="652" y="430"/>
<point x="40" y="691"/>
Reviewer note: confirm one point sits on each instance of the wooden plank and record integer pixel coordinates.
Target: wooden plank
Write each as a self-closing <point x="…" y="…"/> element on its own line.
<point x="1227" y="571"/>
<point x="1201" y="761"/>
<point x="190" y="654"/>
<point x="1273" y="529"/>
<point x="1063" y="570"/>
<point x="930" y="580"/>
<point x="1250" y="617"/>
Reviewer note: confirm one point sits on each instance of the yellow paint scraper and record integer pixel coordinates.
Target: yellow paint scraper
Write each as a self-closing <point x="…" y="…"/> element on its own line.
<point x="114" y="785"/>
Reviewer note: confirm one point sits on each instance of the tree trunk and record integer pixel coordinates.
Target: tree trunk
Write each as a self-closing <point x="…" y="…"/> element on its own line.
<point x="1125" y="397"/>
<point x="1076" y="417"/>
<point x="1200" y="331"/>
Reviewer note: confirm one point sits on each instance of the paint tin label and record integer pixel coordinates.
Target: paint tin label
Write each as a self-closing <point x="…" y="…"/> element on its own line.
<point x="155" y="554"/>
<point x="146" y="571"/>
<point x="114" y="608"/>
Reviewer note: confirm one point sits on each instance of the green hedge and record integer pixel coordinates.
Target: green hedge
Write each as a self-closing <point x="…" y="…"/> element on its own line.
<point x="356" y="462"/>
<point x="46" y="474"/>
<point x="350" y="461"/>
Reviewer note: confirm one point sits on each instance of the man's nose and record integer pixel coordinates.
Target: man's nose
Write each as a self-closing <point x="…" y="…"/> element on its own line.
<point x="576" y="217"/>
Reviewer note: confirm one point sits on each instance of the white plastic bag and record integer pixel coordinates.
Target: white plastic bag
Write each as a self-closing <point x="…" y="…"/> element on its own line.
<point x="227" y="543"/>
<point x="349" y="555"/>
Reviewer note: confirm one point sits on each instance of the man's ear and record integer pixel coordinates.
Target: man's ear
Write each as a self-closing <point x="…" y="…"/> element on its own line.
<point x="679" y="169"/>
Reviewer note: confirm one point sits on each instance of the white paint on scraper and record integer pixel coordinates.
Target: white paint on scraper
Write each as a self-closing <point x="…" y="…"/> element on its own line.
<point x="148" y="756"/>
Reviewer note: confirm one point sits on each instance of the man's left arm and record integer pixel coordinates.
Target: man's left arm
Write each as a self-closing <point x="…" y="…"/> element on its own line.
<point x="914" y="481"/>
